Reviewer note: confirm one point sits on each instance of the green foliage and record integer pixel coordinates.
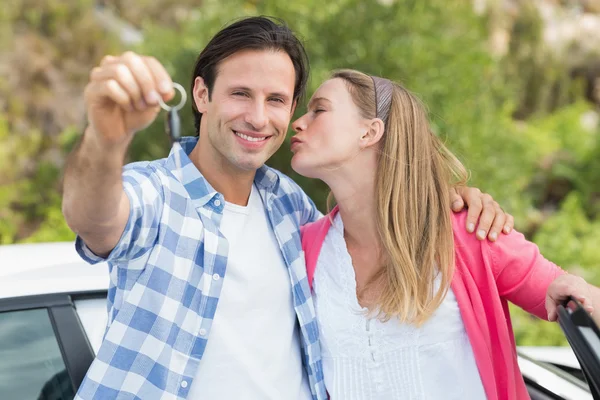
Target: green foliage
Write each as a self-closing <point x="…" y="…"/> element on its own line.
<point x="515" y="122"/>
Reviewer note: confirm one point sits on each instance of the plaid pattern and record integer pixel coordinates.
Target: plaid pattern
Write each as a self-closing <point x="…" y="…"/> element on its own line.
<point x="166" y="275"/>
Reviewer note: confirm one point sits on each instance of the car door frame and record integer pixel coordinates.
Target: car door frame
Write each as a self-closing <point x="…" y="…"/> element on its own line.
<point x="571" y="315"/>
<point x="76" y="351"/>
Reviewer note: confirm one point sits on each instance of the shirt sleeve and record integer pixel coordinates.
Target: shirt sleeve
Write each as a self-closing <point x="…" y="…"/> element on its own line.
<point x="522" y="273"/>
<point x="310" y="212"/>
<point x="146" y="200"/>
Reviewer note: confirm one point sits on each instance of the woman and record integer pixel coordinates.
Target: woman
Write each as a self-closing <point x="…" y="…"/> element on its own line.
<point x="409" y="305"/>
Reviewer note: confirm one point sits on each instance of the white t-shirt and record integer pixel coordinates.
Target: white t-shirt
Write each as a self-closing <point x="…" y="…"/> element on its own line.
<point x="253" y="351"/>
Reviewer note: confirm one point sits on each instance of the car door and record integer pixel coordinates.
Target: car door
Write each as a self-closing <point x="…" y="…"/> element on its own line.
<point x="44" y="352"/>
<point x="583" y="336"/>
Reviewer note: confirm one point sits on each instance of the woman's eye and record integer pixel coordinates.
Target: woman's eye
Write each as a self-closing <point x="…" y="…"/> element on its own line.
<point x="318" y="110"/>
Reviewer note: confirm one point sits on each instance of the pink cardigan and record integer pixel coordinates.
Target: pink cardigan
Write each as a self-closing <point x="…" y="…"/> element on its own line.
<point x="487" y="276"/>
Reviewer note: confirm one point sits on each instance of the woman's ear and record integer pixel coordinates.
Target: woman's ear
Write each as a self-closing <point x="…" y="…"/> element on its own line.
<point x="201" y="95"/>
<point x="374" y="133"/>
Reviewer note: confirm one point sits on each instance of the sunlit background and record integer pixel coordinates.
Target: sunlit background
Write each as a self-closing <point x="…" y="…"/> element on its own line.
<point x="512" y="86"/>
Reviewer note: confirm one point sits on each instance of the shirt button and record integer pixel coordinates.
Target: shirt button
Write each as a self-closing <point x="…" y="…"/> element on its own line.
<point x="202" y="332"/>
<point x="217" y="203"/>
<point x="216" y="277"/>
<point x="184" y="384"/>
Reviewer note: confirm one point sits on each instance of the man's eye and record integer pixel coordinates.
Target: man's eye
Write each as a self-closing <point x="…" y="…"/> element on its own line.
<point x="240" y="94"/>
<point x="278" y="100"/>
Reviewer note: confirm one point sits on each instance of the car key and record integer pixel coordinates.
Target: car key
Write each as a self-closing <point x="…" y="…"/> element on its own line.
<point x="173" y="126"/>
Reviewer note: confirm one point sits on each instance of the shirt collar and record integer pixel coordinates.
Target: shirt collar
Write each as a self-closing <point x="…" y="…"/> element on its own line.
<point x="200" y="190"/>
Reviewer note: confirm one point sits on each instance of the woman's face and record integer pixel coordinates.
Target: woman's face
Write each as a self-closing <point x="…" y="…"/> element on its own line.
<point x="329" y="134"/>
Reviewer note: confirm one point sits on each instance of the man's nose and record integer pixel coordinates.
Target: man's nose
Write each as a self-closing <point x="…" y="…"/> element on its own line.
<point x="257" y="116"/>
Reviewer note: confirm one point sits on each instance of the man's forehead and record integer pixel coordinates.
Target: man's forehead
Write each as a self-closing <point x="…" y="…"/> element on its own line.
<point x="268" y="70"/>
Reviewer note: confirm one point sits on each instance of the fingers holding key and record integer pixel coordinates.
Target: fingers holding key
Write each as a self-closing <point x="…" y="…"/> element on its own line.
<point x="122" y="76"/>
<point x="162" y="80"/>
<point x="123" y="94"/>
<point x="143" y="78"/>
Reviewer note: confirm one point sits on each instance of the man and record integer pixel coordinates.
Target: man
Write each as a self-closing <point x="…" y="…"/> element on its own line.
<point x="226" y="233"/>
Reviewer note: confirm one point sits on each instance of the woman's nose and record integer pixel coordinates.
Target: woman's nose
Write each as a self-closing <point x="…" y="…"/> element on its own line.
<point x="299" y="125"/>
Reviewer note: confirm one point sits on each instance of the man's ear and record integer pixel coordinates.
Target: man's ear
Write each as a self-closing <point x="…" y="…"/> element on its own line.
<point x="201" y="95"/>
<point x="374" y="133"/>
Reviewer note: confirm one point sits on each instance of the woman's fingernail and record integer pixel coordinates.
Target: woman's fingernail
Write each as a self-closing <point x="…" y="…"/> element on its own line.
<point x="493" y="236"/>
<point x="481" y="234"/>
<point x="507" y="229"/>
<point x="471" y="227"/>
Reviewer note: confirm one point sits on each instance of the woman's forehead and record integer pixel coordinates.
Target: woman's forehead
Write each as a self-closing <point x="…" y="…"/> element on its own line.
<point x="334" y="90"/>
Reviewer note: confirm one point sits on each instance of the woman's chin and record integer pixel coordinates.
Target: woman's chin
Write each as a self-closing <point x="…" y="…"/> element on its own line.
<point x="304" y="167"/>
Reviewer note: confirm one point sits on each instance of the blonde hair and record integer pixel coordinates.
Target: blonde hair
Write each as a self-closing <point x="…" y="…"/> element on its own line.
<point x="415" y="173"/>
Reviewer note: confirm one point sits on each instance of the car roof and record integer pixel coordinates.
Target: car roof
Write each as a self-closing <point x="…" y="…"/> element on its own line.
<point x="552" y="354"/>
<point x="552" y="378"/>
<point x="46" y="268"/>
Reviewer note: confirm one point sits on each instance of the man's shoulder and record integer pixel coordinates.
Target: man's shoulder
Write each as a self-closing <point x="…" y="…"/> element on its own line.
<point x="145" y="167"/>
<point x="140" y="171"/>
<point x="282" y="183"/>
<point x="148" y="180"/>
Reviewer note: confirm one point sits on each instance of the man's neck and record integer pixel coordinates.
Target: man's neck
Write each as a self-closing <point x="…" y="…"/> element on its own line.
<point x="235" y="185"/>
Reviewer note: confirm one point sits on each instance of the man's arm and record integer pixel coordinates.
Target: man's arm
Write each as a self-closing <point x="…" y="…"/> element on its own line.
<point x="94" y="203"/>
<point x="121" y="99"/>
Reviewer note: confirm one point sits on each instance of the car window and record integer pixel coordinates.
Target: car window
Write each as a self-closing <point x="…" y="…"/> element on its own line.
<point x="93" y="316"/>
<point x="31" y="364"/>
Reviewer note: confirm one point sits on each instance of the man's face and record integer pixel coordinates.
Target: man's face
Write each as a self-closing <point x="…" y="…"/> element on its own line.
<point x="251" y="105"/>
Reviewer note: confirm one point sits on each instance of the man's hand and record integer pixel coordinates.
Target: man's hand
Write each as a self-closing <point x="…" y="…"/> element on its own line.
<point x="122" y="97"/>
<point x="492" y="219"/>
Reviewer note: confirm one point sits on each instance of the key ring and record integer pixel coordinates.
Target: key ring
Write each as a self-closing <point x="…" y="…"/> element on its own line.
<point x="179" y="106"/>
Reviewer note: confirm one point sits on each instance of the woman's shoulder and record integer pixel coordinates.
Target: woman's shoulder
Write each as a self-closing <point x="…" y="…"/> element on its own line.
<point x="317" y="229"/>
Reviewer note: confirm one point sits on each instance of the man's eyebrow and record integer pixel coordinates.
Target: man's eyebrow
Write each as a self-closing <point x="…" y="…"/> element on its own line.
<point x="247" y="89"/>
<point x="317" y="99"/>
<point x="279" y="94"/>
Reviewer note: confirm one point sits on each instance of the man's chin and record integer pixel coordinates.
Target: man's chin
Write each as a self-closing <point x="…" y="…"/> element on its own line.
<point x="249" y="165"/>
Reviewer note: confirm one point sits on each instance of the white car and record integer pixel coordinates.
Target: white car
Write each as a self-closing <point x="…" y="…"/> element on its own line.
<point x="53" y="316"/>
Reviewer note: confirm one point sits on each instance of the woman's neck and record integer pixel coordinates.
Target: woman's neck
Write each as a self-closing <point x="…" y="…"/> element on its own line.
<point x="355" y="197"/>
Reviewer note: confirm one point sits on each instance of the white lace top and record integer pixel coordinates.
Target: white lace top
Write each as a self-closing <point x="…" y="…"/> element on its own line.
<point x="365" y="359"/>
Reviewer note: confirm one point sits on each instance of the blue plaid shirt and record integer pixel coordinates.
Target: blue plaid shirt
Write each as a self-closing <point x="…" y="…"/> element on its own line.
<point x="166" y="275"/>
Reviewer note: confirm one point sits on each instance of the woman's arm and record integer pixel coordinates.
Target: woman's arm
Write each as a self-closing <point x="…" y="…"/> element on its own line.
<point x="527" y="279"/>
<point x="522" y="274"/>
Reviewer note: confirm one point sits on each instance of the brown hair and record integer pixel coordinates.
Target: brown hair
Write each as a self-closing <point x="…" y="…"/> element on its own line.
<point x="253" y="33"/>
<point x="414" y="175"/>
